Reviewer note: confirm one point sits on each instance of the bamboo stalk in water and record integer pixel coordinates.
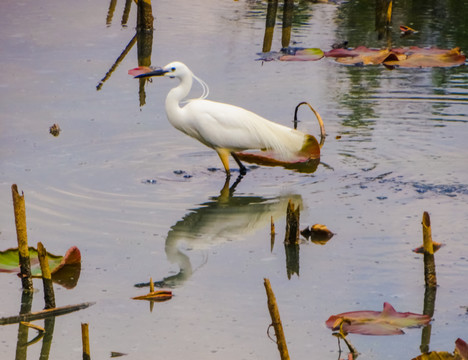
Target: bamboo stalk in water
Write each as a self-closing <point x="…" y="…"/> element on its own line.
<point x="49" y="297"/>
<point x="429" y="262"/>
<point x="292" y="224"/>
<point x="85" y="341"/>
<point x="28" y="316"/>
<point x="22" y="237"/>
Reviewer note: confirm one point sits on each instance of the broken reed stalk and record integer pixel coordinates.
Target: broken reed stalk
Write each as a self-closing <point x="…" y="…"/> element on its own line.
<point x="323" y="134"/>
<point x="28" y="316"/>
<point x="288" y="12"/>
<point x="430" y="277"/>
<point x="85" y="341"/>
<point x="269" y="25"/>
<point x="49" y="296"/>
<point x="276" y="321"/>
<point x="22" y="237"/>
<point x="144" y="16"/>
<point x="292" y="224"/>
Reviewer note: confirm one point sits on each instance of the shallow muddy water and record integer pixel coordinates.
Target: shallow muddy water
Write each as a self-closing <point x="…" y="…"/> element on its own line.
<point x="140" y="199"/>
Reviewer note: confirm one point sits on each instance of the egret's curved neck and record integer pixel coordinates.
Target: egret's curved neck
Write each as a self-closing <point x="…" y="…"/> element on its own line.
<point x="177" y="94"/>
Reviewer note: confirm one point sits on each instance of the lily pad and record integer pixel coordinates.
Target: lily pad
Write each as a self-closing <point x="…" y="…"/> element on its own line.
<point x="360" y="56"/>
<point x="420" y="57"/>
<point x="65" y="269"/>
<point x="305" y="161"/>
<point x="386" y="322"/>
<point x="410" y="57"/>
<point x="311" y="54"/>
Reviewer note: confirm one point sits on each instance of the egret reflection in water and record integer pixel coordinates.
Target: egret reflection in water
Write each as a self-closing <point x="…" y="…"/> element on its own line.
<point x="222" y="218"/>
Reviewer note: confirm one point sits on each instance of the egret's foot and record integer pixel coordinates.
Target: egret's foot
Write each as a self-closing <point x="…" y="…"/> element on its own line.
<point x="242" y="168"/>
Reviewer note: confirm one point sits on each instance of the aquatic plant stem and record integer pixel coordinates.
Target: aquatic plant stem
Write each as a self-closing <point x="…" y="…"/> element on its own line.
<point x="276" y="321"/>
<point x="85" y="341"/>
<point x="292" y="224"/>
<point x="430" y="281"/>
<point x="22" y="238"/>
<point x="144" y="16"/>
<point x="429" y="262"/>
<point x="269" y="25"/>
<point x="28" y="316"/>
<point x="49" y="296"/>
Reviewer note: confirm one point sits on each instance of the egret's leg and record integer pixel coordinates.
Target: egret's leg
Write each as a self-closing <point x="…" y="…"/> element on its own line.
<point x="224" y="156"/>
<point x="242" y="168"/>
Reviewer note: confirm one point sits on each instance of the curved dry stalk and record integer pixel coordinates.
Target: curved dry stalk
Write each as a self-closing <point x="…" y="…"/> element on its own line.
<point x="319" y="119"/>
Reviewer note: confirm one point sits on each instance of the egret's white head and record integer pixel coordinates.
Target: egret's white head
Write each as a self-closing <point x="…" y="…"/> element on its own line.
<point x="174" y="69"/>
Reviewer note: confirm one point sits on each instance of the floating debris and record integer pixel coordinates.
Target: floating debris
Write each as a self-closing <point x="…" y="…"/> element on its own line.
<point x="317" y="233"/>
<point x="158" y="295"/>
<point x="55" y="130"/>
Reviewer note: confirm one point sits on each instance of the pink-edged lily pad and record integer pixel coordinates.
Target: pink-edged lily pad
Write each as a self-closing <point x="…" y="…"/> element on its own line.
<point x="363" y="56"/>
<point x="410" y="57"/>
<point x="65" y="269"/>
<point x="386" y="322"/>
<point x="305" y="161"/>
<point x="341" y="52"/>
<point x="311" y="54"/>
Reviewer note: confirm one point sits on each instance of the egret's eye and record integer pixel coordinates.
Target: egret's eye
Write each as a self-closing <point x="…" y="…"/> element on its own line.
<point x="173" y="69"/>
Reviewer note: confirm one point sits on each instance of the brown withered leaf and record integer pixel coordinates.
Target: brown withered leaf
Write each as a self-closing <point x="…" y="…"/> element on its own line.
<point x="318" y="234"/>
<point x="158" y="295"/>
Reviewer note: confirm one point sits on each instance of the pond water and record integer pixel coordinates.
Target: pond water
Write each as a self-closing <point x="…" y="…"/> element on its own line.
<point x="140" y="199"/>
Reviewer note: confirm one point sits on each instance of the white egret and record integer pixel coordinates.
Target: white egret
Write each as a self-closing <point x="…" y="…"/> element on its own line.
<point x="223" y="127"/>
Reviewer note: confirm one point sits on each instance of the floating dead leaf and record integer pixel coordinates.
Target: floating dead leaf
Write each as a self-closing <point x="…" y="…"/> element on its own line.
<point x="435" y="245"/>
<point x="365" y="56"/>
<point x="300" y="54"/>
<point x="318" y="234"/>
<point x="437" y="355"/>
<point x="460" y="353"/>
<point x="55" y="130"/>
<point x="65" y="269"/>
<point x="399" y="57"/>
<point x="159" y="295"/>
<point x="386" y="322"/>
<point x="421" y="57"/>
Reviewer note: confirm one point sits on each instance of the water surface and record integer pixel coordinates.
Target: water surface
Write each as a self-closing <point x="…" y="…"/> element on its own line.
<point x="142" y="200"/>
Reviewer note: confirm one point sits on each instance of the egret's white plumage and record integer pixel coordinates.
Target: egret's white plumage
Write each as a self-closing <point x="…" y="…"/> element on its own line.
<point x="223" y="127"/>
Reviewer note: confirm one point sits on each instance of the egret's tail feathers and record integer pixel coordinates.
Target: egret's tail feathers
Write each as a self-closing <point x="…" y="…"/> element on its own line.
<point x="287" y="143"/>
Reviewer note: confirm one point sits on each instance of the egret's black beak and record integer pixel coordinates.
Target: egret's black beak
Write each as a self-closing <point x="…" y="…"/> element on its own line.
<point x="157" y="72"/>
